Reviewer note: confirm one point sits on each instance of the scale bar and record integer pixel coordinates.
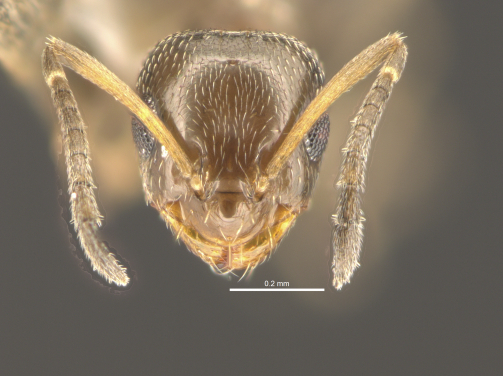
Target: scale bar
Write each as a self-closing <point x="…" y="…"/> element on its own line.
<point x="277" y="289"/>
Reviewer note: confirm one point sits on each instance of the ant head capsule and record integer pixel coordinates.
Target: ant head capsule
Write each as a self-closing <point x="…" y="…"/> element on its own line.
<point x="230" y="97"/>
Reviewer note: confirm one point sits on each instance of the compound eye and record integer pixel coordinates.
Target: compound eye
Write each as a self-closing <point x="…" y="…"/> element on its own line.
<point x="316" y="140"/>
<point x="143" y="138"/>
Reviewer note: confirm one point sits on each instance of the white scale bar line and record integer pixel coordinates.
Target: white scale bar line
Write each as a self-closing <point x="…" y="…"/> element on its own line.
<point x="277" y="289"/>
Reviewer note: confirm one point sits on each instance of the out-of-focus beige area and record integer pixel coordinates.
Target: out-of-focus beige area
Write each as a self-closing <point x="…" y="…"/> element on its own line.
<point x="408" y="157"/>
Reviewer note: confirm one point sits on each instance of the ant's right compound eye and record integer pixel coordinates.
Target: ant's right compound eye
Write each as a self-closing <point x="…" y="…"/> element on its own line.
<point x="143" y="138"/>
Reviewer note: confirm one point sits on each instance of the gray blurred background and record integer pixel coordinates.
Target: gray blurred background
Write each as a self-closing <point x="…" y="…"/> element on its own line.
<point x="428" y="296"/>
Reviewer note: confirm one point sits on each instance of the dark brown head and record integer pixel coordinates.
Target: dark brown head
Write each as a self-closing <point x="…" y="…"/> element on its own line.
<point x="229" y="98"/>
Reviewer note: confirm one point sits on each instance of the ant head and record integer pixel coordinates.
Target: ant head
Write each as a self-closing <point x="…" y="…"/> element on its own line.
<point x="225" y="100"/>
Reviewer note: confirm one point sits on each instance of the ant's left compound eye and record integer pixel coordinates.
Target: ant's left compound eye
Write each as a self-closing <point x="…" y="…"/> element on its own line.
<point x="317" y="138"/>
